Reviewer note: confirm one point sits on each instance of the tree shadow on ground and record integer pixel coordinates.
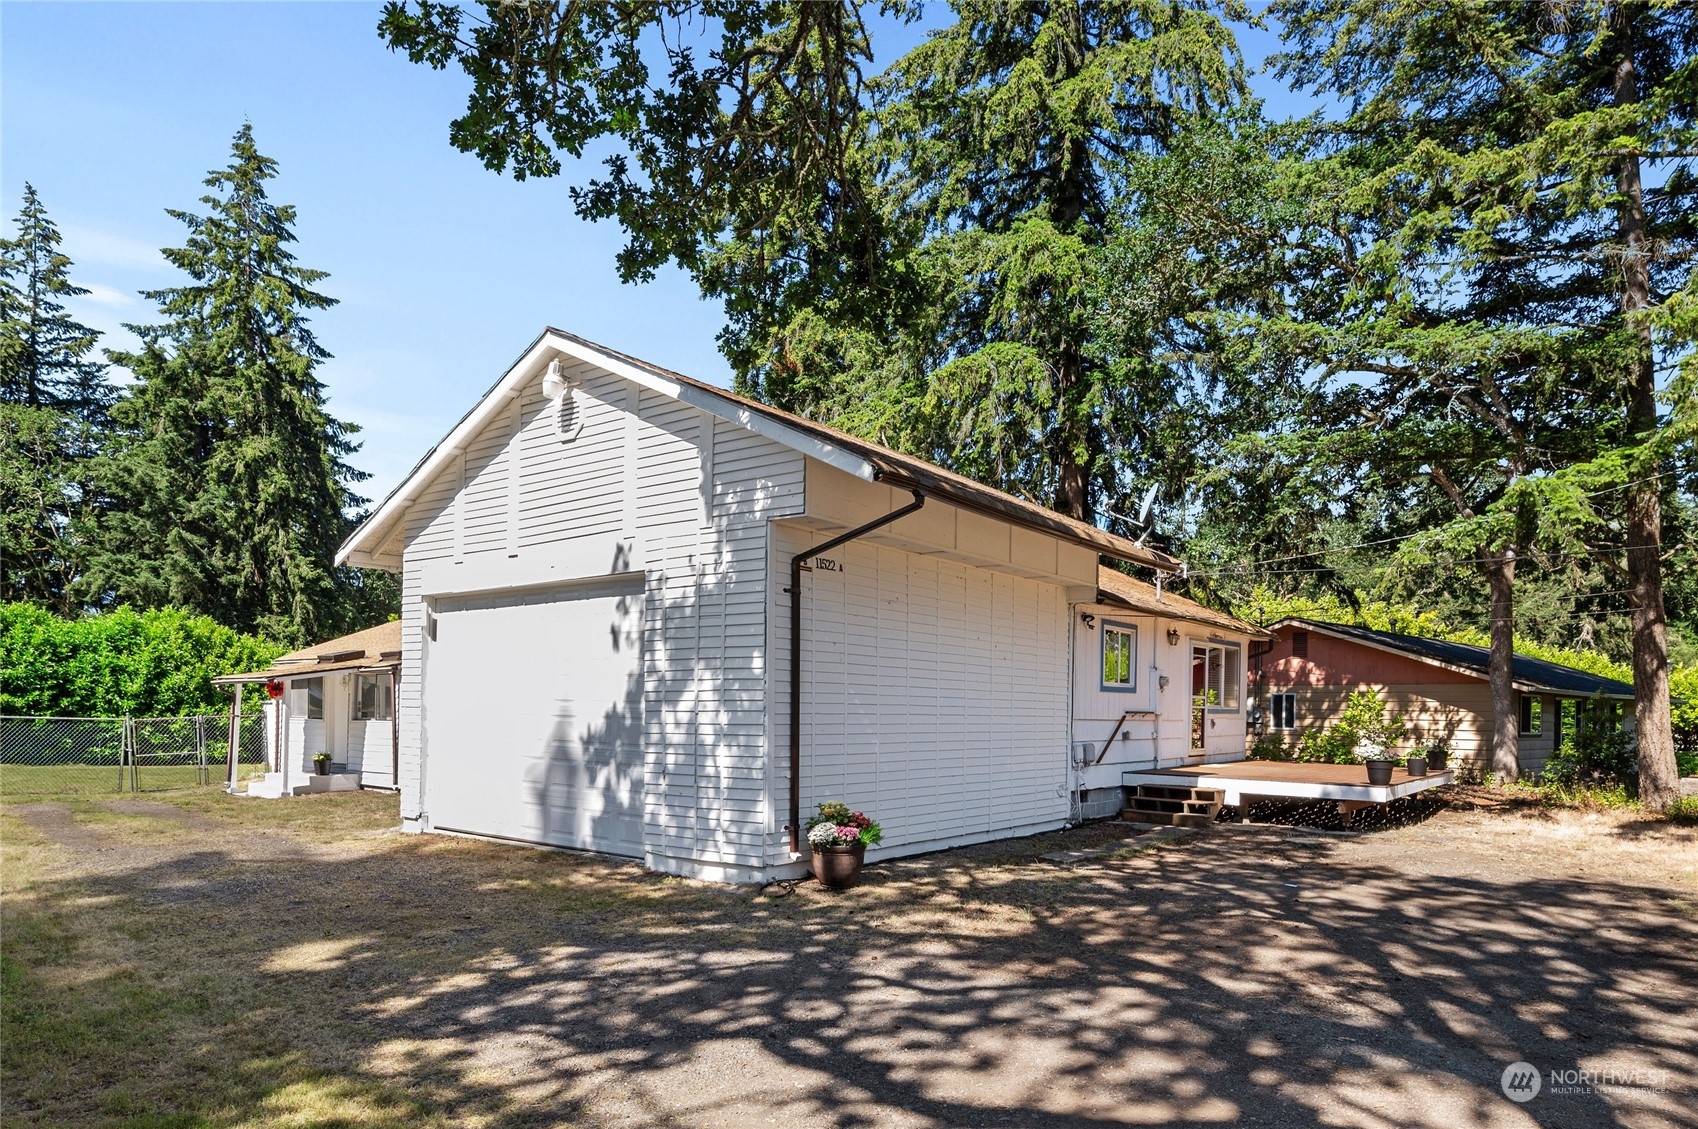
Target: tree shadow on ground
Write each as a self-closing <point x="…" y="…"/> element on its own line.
<point x="1249" y="978"/>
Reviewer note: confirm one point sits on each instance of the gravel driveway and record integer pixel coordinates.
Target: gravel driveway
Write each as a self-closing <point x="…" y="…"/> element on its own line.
<point x="1246" y="975"/>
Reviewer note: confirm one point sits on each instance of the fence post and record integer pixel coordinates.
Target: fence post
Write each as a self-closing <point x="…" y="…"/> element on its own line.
<point x="235" y="736"/>
<point x="127" y="754"/>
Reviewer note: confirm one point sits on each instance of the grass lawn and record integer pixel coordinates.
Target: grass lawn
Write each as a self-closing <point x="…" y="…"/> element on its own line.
<point x="194" y="959"/>
<point x="49" y="780"/>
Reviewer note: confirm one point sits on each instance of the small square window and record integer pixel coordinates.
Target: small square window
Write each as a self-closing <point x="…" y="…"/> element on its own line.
<point x="1282" y="711"/>
<point x="1120" y="657"/>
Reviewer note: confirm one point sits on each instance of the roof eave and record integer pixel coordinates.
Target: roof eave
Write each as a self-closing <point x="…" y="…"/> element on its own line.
<point x="1518" y="683"/>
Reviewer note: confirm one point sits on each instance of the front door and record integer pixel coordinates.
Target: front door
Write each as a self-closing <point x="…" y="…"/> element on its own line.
<point x="1199" y="696"/>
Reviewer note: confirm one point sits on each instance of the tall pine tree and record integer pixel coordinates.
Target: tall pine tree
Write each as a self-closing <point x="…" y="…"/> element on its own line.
<point x="233" y="474"/>
<point x="1498" y="155"/>
<point x="1004" y="142"/>
<point x="54" y="400"/>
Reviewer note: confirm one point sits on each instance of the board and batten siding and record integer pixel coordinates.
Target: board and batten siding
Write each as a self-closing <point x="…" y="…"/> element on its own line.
<point x="682" y="496"/>
<point x="934" y="693"/>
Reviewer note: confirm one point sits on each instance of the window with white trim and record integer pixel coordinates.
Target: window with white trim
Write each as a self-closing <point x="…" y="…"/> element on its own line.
<point x="315" y="697"/>
<point x="1120" y="656"/>
<point x="1282" y="711"/>
<point x="1217" y="676"/>
<point x="373" y="697"/>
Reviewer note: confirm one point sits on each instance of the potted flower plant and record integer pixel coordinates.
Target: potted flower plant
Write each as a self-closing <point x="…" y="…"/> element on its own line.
<point x="1379" y="760"/>
<point x="1438" y="754"/>
<point x="321" y="764"/>
<point x="839" y="839"/>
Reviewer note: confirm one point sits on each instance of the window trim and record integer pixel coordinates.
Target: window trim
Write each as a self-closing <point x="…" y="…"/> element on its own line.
<point x="308" y="685"/>
<point x="1525" y="716"/>
<point x="1275" y="715"/>
<point x="384" y="690"/>
<point x="1238" y="682"/>
<point x="1103" y="684"/>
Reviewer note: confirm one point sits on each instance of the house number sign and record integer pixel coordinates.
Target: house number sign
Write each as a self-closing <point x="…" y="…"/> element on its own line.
<point x="826" y="564"/>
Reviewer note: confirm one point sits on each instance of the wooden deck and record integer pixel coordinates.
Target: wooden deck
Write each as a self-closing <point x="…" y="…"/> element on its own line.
<point x="1289" y="780"/>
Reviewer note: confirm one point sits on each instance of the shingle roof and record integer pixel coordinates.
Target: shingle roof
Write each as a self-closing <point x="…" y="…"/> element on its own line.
<point x="903" y="470"/>
<point x="1530" y="674"/>
<point x="1119" y="588"/>
<point x="378" y="646"/>
<point x="881" y="463"/>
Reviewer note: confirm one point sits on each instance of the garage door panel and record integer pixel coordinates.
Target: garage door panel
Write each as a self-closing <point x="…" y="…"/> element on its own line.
<point x="534" y="717"/>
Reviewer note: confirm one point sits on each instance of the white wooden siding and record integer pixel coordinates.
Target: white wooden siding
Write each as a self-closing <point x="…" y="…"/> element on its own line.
<point x="693" y="496"/>
<point x="935" y="694"/>
<point x="1160" y="735"/>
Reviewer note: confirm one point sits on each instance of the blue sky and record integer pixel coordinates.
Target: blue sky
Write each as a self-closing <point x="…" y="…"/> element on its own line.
<point x="444" y="271"/>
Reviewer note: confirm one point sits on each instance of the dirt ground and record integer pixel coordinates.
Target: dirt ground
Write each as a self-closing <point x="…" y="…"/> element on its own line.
<point x="199" y="960"/>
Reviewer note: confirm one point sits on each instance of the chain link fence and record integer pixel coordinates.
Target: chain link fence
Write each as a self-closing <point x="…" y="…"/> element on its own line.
<point x="67" y="755"/>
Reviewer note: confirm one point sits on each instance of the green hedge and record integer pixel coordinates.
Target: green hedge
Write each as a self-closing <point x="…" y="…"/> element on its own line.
<point x="147" y="664"/>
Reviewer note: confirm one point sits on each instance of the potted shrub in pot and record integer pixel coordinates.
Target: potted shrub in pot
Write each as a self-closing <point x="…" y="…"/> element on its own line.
<point x="1438" y="755"/>
<point x="839" y="839"/>
<point x="321" y="764"/>
<point x="1379" y="760"/>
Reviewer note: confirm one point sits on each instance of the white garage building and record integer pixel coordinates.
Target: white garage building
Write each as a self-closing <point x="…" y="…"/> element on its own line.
<point x="597" y="627"/>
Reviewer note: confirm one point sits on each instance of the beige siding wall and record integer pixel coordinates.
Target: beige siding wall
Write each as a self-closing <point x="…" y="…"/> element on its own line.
<point x="1460" y="713"/>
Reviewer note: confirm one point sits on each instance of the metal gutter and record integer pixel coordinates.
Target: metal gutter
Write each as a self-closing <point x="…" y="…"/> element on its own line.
<point x="795" y="590"/>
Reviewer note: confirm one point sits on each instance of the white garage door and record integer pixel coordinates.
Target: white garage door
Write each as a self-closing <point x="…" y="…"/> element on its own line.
<point x="533" y="717"/>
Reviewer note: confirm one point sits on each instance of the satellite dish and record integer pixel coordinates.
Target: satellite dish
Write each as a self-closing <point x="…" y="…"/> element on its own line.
<point x="1148" y="504"/>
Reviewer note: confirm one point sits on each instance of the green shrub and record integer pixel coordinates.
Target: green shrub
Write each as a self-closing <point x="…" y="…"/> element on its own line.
<point x="1270" y="748"/>
<point x="1683" y="712"/>
<point x="148" y="664"/>
<point x="1363" y="719"/>
<point x="1683" y="810"/>
<point x="1599" y="754"/>
<point x="1586" y="797"/>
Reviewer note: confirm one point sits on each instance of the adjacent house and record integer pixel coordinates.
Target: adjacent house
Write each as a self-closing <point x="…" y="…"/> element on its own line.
<point x="1304" y="677"/>
<point x="335" y="698"/>
<point x="644" y="616"/>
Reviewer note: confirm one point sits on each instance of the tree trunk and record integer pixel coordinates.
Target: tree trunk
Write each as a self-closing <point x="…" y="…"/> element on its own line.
<point x="1506" y="717"/>
<point x="1658" y="786"/>
<point x="1072" y="495"/>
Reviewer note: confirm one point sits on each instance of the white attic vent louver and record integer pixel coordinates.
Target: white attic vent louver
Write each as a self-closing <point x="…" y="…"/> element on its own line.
<point x="568" y="415"/>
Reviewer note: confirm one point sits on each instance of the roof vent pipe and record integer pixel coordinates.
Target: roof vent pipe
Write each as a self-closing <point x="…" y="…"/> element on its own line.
<point x="795" y="591"/>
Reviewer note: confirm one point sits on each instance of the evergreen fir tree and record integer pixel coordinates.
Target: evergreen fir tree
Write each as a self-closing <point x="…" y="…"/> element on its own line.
<point x="54" y="402"/>
<point x="1521" y="183"/>
<point x="233" y="474"/>
<point x="44" y="353"/>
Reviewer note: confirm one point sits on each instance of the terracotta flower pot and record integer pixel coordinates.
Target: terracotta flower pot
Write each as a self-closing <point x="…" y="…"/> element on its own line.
<point x="1416" y="766"/>
<point x="1379" y="772"/>
<point x="839" y="868"/>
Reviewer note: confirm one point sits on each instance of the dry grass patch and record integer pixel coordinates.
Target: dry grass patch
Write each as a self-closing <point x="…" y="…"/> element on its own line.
<point x="197" y="960"/>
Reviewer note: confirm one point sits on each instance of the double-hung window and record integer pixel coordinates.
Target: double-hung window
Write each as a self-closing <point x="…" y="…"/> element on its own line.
<point x="1120" y="656"/>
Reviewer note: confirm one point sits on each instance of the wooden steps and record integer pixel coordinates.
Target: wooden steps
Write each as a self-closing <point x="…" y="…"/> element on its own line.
<point x="1177" y="807"/>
